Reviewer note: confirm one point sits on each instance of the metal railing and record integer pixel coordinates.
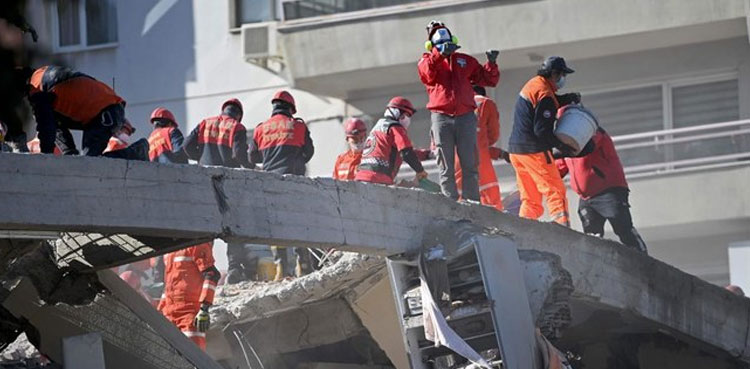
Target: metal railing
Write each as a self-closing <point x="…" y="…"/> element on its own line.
<point x="664" y="152"/>
<point x="679" y="150"/>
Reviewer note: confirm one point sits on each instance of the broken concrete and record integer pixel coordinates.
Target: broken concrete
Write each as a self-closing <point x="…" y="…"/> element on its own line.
<point x="111" y="196"/>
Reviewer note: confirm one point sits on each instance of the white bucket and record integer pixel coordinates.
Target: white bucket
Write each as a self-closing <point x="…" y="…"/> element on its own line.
<point x="575" y="127"/>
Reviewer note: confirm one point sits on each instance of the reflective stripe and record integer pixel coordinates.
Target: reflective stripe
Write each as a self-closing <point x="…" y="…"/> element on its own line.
<point x="488" y="185"/>
<point x="178" y="259"/>
<point x="209" y="286"/>
<point x="163" y="295"/>
<point x="194" y="334"/>
<point x="343" y="172"/>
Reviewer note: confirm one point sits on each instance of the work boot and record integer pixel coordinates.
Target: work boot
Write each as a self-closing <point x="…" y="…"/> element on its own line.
<point x="236" y="275"/>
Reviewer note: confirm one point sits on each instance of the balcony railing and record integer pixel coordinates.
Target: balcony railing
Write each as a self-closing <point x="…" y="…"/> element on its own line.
<point x="665" y="152"/>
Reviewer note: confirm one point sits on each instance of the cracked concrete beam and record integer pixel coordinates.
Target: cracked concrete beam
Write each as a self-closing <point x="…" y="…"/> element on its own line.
<point x="106" y="196"/>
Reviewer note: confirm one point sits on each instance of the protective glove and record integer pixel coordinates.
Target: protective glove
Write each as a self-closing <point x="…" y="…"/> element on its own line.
<point x="492" y="55"/>
<point x="557" y="153"/>
<point x="422" y="175"/>
<point x="573" y="97"/>
<point x="202" y="320"/>
<point x="448" y="48"/>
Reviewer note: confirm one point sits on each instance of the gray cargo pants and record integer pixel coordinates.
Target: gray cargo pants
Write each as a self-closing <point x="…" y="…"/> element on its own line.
<point x="457" y="135"/>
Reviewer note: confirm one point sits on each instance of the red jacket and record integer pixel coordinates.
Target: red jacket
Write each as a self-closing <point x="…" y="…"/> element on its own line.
<point x="283" y="144"/>
<point x="448" y="81"/>
<point x="381" y="158"/>
<point x="594" y="173"/>
<point x="346" y="165"/>
<point x="165" y="146"/>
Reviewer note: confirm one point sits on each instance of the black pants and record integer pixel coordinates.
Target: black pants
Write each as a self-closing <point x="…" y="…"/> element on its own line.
<point x="612" y="206"/>
<point x="96" y="133"/>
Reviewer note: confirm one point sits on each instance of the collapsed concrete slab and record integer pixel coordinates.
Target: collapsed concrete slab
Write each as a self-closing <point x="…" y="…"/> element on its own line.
<point x="146" y="199"/>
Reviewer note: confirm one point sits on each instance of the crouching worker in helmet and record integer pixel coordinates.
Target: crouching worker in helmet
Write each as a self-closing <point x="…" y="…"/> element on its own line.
<point x="166" y="141"/>
<point x="190" y="280"/>
<point x="388" y="145"/>
<point x="347" y="163"/>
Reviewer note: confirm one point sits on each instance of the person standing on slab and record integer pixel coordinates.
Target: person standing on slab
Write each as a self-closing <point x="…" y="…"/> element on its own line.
<point x="448" y="77"/>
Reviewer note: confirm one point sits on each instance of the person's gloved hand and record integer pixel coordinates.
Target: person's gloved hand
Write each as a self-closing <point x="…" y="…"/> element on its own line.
<point x="557" y="153"/>
<point x="422" y="175"/>
<point x="447" y="48"/>
<point x="202" y="319"/>
<point x="492" y="55"/>
<point x="573" y="97"/>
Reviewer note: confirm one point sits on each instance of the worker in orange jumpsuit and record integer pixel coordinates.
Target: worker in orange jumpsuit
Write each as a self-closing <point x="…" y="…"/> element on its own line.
<point x="121" y="139"/>
<point x="488" y="132"/>
<point x="190" y="280"/>
<point x="532" y="140"/>
<point x="346" y="163"/>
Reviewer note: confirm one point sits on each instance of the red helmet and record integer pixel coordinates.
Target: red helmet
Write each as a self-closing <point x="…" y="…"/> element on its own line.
<point x="402" y="104"/>
<point x="433" y="26"/>
<point x="235" y="102"/>
<point x="162" y="113"/>
<point x="354" y="127"/>
<point x="286" y="97"/>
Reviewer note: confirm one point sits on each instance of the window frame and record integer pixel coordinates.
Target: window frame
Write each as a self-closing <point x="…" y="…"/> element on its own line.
<point x="83" y="46"/>
<point x="667" y="85"/>
<point x="235" y="26"/>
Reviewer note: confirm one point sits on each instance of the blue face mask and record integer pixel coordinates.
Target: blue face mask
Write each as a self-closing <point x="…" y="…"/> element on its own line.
<point x="561" y="82"/>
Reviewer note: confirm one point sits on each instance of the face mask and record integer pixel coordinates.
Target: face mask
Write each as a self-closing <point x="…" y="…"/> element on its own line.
<point x="405" y="121"/>
<point x="359" y="146"/>
<point x="124" y="137"/>
<point x="561" y="82"/>
<point x="440" y="36"/>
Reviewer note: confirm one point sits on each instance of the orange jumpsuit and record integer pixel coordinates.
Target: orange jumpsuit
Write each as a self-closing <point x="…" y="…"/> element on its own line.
<point x="185" y="288"/>
<point x="115" y="144"/>
<point x="530" y="152"/>
<point x="488" y="132"/>
<point x="346" y="165"/>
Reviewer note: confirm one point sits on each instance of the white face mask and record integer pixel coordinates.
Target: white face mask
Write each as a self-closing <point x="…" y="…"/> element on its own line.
<point x="124" y="137"/>
<point x="405" y="121"/>
<point x="561" y="82"/>
<point x="359" y="146"/>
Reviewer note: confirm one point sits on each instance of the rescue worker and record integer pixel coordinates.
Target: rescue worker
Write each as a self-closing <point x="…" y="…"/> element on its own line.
<point x="488" y="132"/>
<point x="166" y="141"/>
<point x="346" y="163"/>
<point x="599" y="179"/>
<point x="388" y="145"/>
<point x="532" y="139"/>
<point x="121" y="139"/>
<point x="220" y="140"/>
<point x="448" y="77"/>
<point x="283" y="144"/>
<point x="190" y="280"/>
<point x="63" y="99"/>
<point x="133" y="279"/>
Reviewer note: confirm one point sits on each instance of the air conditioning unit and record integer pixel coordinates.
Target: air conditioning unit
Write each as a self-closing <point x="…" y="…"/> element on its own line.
<point x="259" y="41"/>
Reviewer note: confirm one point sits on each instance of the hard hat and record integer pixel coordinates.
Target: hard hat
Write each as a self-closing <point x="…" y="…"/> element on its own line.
<point x="286" y="97"/>
<point x="235" y="102"/>
<point x="162" y="113"/>
<point x="354" y="127"/>
<point x="555" y="63"/>
<point x="433" y="26"/>
<point x="402" y="104"/>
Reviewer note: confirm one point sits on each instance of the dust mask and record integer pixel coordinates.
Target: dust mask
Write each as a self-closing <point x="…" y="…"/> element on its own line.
<point x="405" y="120"/>
<point x="359" y="146"/>
<point x="124" y="137"/>
<point x="561" y="82"/>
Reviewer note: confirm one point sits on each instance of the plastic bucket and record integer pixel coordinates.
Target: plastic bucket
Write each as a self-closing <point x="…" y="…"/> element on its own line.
<point x="575" y="126"/>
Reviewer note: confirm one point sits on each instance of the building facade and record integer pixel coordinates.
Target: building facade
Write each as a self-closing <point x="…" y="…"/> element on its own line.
<point x="669" y="79"/>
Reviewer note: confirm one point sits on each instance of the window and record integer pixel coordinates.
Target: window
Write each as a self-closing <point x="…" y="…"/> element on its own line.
<point x="83" y="24"/>
<point x="668" y="105"/>
<point x="296" y="9"/>
<point x="254" y="11"/>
